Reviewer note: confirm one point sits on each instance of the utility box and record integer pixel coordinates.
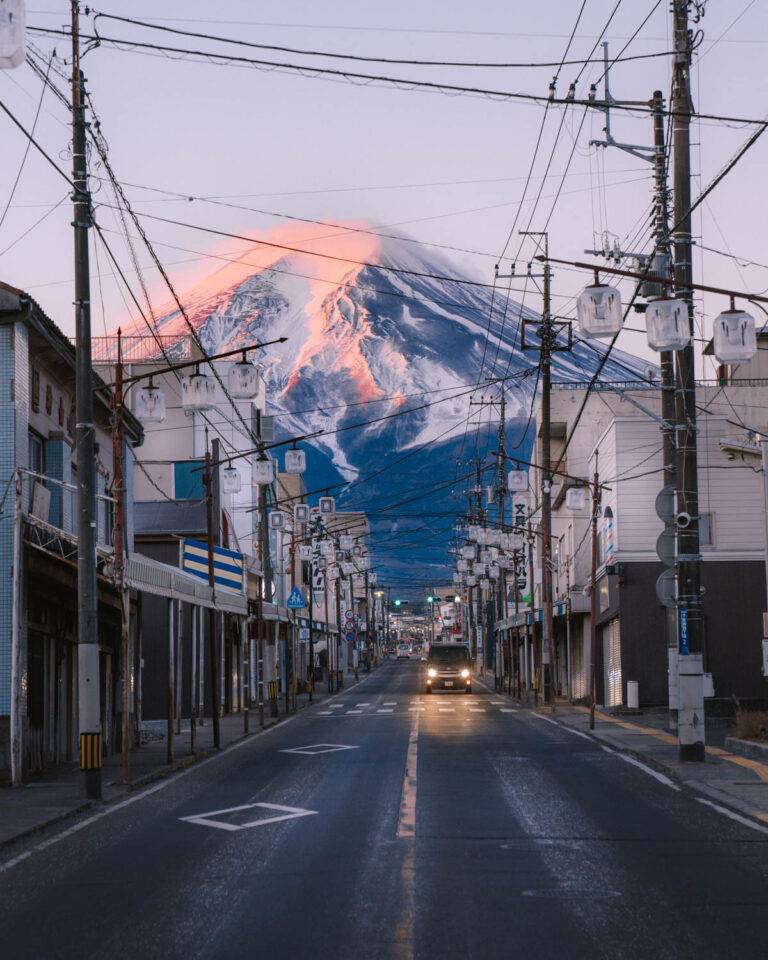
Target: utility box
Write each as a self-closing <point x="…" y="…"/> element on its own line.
<point x="633" y="695"/>
<point x="674" y="679"/>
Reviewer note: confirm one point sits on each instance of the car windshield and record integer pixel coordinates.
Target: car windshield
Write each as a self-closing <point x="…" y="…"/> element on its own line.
<point x="449" y="653"/>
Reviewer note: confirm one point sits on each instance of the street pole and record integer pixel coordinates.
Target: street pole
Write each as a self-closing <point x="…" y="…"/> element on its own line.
<point x="546" y="485"/>
<point x="118" y="440"/>
<point x="89" y="686"/>
<point x="593" y="600"/>
<point x="311" y="667"/>
<point x="17" y="753"/>
<point x="690" y="728"/>
<point x="532" y="659"/>
<point x="213" y="651"/>
<point x="498" y="672"/>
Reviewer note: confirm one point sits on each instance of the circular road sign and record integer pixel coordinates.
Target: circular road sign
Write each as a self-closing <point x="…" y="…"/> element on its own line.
<point x="351" y="637"/>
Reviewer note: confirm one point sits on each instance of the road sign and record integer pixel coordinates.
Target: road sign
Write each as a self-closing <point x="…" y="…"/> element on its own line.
<point x="684" y="649"/>
<point x="349" y="614"/>
<point x="296" y="600"/>
<point x="666" y="588"/>
<point x="351" y="636"/>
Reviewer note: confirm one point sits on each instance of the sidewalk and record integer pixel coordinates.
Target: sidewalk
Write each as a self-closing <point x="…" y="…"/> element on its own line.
<point x="739" y="783"/>
<point x="55" y="794"/>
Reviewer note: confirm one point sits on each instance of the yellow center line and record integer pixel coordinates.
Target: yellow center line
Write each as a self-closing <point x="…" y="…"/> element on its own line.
<point x="406" y="826"/>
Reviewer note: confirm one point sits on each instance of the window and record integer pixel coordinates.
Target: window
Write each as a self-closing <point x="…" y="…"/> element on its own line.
<point x="705" y="530"/>
<point x="36" y="461"/>
<point x="34" y="389"/>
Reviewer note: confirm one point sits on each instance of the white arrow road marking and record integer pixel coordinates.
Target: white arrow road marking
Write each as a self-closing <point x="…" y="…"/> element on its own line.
<point x="288" y="813"/>
<point x="317" y="748"/>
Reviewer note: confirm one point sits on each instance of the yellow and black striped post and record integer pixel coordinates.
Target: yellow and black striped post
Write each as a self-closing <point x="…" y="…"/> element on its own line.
<point x="90" y="762"/>
<point x="272" y="689"/>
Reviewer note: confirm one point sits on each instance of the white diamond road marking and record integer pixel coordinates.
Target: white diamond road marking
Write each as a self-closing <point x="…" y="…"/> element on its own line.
<point x="287" y="813"/>
<point x="317" y="748"/>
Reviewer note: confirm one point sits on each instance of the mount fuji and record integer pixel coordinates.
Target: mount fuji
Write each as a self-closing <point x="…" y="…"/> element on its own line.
<point x="386" y="340"/>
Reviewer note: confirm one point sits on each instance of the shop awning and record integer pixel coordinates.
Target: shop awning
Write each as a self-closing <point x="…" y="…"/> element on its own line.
<point x="150" y="576"/>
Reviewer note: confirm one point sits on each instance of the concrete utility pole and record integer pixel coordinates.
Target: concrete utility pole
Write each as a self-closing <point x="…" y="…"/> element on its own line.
<point x="502" y="584"/>
<point x="89" y="687"/>
<point x="213" y="647"/>
<point x="690" y="727"/>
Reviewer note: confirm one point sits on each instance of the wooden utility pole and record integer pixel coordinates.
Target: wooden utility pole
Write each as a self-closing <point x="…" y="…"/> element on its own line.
<point x="89" y="686"/>
<point x="691" y="622"/>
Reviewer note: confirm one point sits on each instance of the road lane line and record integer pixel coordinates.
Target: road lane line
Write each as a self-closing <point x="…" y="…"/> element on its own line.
<point x="641" y="766"/>
<point x="44" y="844"/>
<point x="733" y="816"/>
<point x="390" y="703"/>
<point x="508" y="710"/>
<point x="386" y="710"/>
<point x="477" y="709"/>
<point x="406" y="827"/>
<point x="446" y="710"/>
<point x="416" y="709"/>
<point x="353" y="711"/>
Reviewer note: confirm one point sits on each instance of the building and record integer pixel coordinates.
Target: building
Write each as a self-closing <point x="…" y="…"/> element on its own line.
<point x="38" y="611"/>
<point x="619" y="434"/>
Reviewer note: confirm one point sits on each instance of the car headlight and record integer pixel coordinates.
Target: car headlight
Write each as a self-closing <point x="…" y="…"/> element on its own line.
<point x="431" y="672"/>
<point x="465" y="672"/>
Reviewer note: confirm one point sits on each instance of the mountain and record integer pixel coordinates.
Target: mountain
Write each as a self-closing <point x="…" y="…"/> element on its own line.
<point x="376" y="327"/>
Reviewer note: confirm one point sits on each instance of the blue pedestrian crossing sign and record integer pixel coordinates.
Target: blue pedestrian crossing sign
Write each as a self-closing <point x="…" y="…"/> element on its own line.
<point x="296" y="600"/>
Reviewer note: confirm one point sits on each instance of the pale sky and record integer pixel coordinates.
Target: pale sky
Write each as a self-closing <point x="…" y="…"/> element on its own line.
<point x="447" y="169"/>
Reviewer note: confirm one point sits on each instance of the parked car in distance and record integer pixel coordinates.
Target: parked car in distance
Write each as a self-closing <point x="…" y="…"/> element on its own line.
<point x="449" y="667"/>
<point x="403" y="651"/>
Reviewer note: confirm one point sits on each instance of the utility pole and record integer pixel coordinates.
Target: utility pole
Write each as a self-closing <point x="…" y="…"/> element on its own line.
<point x="89" y="706"/>
<point x="690" y="727"/>
<point x="118" y="440"/>
<point x="593" y="600"/>
<point x="213" y="647"/>
<point x="502" y="584"/>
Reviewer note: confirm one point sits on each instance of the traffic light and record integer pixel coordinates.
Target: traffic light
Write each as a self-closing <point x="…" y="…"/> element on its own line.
<point x="398" y="602"/>
<point x="430" y="599"/>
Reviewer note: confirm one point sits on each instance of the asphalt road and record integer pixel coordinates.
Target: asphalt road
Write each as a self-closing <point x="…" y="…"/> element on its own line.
<point x="439" y="826"/>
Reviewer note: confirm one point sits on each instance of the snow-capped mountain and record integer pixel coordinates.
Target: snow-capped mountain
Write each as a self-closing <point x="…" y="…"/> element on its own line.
<point x="377" y="327"/>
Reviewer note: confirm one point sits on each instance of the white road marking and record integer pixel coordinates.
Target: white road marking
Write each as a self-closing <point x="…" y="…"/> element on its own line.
<point x="415" y="709"/>
<point x="353" y="711"/>
<point x="391" y="703"/>
<point x="652" y="773"/>
<point x="388" y="710"/>
<point x="316" y="748"/>
<point x="287" y="813"/>
<point x="75" y="828"/>
<point x="497" y="703"/>
<point x="578" y="733"/>
<point x="446" y="710"/>
<point x="477" y="709"/>
<point x="508" y="710"/>
<point x="324" y="713"/>
<point x="733" y="816"/>
<point x="542" y="717"/>
<point x="362" y="704"/>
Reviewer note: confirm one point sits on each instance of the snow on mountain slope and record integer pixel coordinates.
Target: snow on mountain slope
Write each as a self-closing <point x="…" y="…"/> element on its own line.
<point x="376" y="326"/>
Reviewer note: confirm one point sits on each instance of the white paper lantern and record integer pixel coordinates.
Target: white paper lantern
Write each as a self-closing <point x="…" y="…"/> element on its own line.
<point x="478" y="568"/>
<point x="666" y="324"/>
<point x="347" y="567"/>
<point x="357" y="550"/>
<point x="462" y="566"/>
<point x="493" y="553"/>
<point x="305" y="552"/>
<point x="12" y="17"/>
<point x="517" y="480"/>
<point x="346" y="541"/>
<point x="734" y="336"/>
<point x="485" y="556"/>
<point x="328" y="549"/>
<point x="485" y="584"/>
<point x="198" y="392"/>
<point x="301" y="512"/>
<point x="150" y="404"/>
<point x="326" y="505"/>
<point x="472" y="581"/>
<point x="575" y="498"/>
<point x="333" y="572"/>
<point x="468" y="552"/>
<point x="598" y="309"/>
<point x="230" y="480"/>
<point x="276" y="520"/>
<point x="243" y="380"/>
<point x="473" y="531"/>
<point x="494" y="571"/>
<point x="263" y="471"/>
<point x="295" y="461"/>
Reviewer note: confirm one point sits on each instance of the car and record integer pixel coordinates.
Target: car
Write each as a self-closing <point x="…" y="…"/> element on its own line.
<point x="403" y="651"/>
<point x="449" y="667"/>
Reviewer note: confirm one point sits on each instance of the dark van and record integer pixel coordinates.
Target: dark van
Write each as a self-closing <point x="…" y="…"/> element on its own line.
<point x="449" y="667"/>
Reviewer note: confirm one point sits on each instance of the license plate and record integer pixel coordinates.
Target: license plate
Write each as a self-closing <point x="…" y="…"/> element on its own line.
<point x="448" y="683"/>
